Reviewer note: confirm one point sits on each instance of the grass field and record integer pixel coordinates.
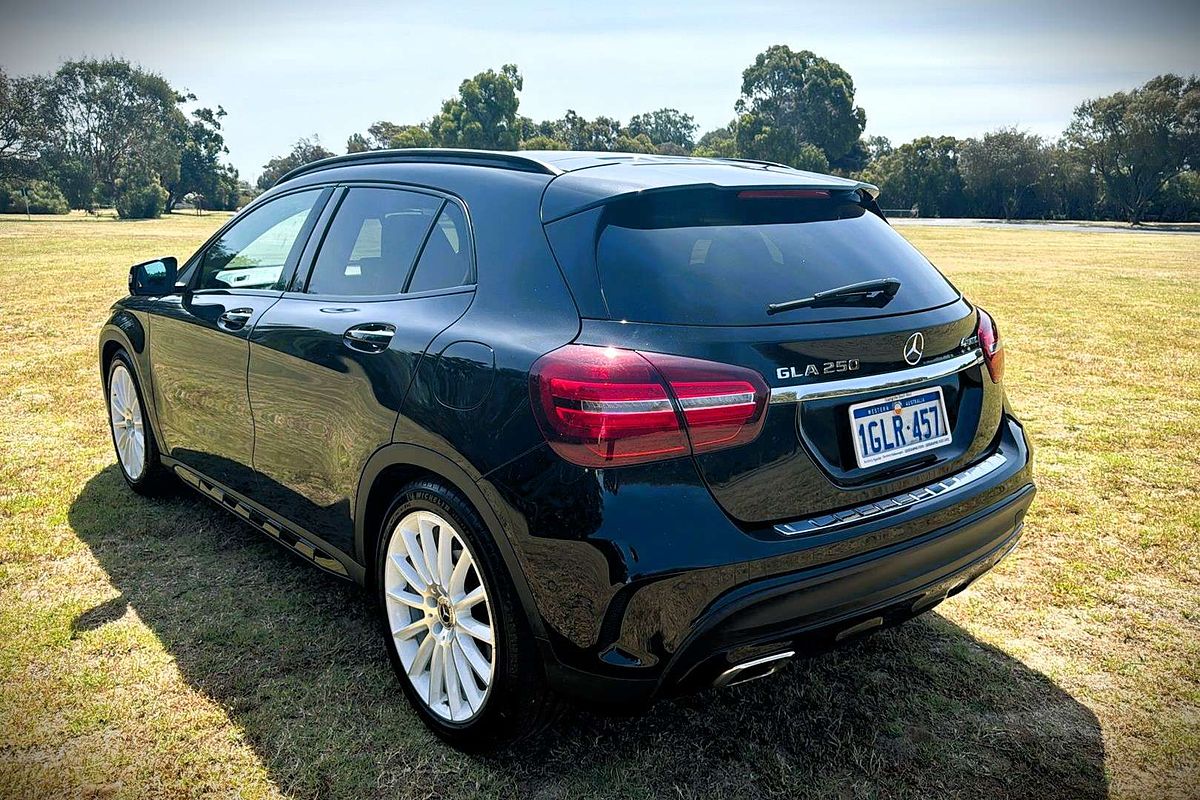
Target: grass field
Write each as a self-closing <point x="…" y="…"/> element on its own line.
<point x="162" y="649"/>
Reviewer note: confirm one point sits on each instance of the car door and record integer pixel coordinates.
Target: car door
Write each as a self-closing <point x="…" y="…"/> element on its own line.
<point x="330" y="363"/>
<point x="199" y="338"/>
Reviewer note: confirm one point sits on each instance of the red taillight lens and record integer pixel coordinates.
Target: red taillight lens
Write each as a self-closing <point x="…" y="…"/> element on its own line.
<point x="989" y="342"/>
<point x="722" y="405"/>
<point x="603" y="407"/>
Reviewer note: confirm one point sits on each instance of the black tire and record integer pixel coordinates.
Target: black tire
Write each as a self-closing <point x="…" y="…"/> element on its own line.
<point x="518" y="702"/>
<point x="153" y="479"/>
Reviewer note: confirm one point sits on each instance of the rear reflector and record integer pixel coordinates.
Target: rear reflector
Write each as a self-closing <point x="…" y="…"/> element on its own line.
<point x="989" y="342"/>
<point x="601" y="406"/>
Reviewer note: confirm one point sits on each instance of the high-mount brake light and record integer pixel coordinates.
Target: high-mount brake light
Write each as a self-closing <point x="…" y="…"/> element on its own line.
<point x="783" y="194"/>
<point x="990" y="343"/>
<point x="606" y="407"/>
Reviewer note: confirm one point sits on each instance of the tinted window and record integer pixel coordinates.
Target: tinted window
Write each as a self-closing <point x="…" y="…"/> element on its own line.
<point x="254" y="251"/>
<point x="720" y="257"/>
<point x="371" y="245"/>
<point x="446" y="260"/>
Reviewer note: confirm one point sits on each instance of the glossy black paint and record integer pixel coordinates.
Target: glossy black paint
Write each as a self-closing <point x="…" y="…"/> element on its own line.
<point x="321" y="408"/>
<point x="199" y="368"/>
<point x="636" y="580"/>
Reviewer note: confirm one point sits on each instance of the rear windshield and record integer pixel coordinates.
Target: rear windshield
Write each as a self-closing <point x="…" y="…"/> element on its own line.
<point x="720" y="257"/>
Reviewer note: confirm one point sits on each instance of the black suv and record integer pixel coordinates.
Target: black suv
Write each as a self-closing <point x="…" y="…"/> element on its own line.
<point x="588" y="425"/>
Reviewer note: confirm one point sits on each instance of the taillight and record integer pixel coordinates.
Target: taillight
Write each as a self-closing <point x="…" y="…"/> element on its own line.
<point x="605" y="407"/>
<point x="989" y="342"/>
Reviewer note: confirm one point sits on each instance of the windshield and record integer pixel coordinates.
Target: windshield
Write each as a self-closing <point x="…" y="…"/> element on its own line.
<point x="720" y="257"/>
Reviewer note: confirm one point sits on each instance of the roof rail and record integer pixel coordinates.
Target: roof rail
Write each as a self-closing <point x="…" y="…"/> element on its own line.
<point x="758" y="161"/>
<point x="427" y="155"/>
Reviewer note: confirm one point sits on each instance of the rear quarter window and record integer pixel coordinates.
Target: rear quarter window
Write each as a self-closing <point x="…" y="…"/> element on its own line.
<point x="720" y="257"/>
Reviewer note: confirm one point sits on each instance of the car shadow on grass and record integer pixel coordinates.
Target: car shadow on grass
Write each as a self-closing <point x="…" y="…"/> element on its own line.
<point x="295" y="659"/>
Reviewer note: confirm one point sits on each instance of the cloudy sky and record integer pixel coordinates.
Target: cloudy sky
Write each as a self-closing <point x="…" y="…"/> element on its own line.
<point x="297" y="68"/>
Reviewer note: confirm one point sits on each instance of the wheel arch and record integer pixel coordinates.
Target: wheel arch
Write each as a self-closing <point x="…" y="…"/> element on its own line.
<point x="124" y="331"/>
<point x="397" y="464"/>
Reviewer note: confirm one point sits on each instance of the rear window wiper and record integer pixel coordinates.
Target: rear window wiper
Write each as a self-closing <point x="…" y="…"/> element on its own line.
<point x="874" y="290"/>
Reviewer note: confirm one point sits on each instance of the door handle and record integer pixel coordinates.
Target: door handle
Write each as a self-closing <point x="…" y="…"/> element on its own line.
<point x="370" y="337"/>
<point x="235" y="319"/>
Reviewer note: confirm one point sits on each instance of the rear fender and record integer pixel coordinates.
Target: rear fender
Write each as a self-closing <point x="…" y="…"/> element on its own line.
<point x="426" y="460"/>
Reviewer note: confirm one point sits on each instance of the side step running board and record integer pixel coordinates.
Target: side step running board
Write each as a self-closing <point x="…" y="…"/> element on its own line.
<point x="277" y="531"/>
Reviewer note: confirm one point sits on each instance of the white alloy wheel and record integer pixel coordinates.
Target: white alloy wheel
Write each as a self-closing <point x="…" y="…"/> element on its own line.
<point x="438" y="613"/>
<point x="125" y="413"/>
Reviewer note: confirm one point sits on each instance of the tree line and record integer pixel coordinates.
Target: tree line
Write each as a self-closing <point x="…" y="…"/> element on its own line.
<point x="106" y="131"/>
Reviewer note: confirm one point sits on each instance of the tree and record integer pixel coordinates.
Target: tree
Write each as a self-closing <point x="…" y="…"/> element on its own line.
<point x="671" y="149"/>
<point x="1139" y="141"/>
<point x="718" y="143"/>
<point x="665" y="126"/>
<point x="411" y="136"/>
<point x="790" y="100"/>
<point x="201" y="147"/>
<point x="878" y="146"/>
<point x="384" y="135"/>
<point x="484" y="115"/>
<point x="1002" y="171"/>
<point x="634" y="144"/>
<point x="577" y="132"/>
<point x="115" y="122"/>
<point x="304" y="151"/>
<point x="25" y="122"/>
<point x="1070" y="188"/>
<point x="540" y="142"/>
<point x="922" y="173"/>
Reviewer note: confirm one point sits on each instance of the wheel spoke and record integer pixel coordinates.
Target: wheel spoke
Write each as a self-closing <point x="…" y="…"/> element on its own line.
<point x="421" y="659"/>
<point x="453" y="685"/>
<point x="463" y="668"/>
<point x="467" y="601"/>
<point x="429" y="546"/>
<point x="471" y="653"/>
<point x="417" y="557"/>
<point x="407" y="598"/>
<point x="414" y="579"/>
<point x="458" y="577"/>
<point x="437" y="673"/>
<point x="444" y="553"/>
<point x="411" y="629"/>
<point x="476" y="628"/>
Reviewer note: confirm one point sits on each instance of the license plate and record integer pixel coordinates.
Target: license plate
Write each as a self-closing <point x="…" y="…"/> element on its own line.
<point x="894" y="427"/>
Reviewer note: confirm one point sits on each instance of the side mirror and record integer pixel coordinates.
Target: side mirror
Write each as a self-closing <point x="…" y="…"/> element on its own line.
<point x="154" y="278"/>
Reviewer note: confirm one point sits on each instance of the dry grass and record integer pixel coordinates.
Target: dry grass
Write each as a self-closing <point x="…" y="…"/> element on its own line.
<point x="161" y="649"/>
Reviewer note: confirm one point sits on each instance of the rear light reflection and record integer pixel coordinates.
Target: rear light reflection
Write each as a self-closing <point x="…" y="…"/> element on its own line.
<point x="601" y="407"/>
<point x="989" y="342"/>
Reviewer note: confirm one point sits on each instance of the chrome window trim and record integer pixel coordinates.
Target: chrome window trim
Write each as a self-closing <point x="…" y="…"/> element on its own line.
<point x="895" y="503"/>
<point x="876" y="383"/>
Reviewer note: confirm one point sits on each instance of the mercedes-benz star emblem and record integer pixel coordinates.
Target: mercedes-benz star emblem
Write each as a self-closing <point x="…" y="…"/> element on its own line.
<point x="914" y="348"/>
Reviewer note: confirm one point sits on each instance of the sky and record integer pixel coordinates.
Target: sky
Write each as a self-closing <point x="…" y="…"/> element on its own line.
<point x="283" y="70"/>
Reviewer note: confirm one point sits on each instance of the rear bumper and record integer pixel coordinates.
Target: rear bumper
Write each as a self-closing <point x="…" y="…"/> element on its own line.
<point x="653" y="590"/>
<point x="809" y="613"/>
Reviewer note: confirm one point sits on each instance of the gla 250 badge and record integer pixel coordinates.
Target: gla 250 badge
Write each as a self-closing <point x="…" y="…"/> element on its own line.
<point x="827" y="368"/>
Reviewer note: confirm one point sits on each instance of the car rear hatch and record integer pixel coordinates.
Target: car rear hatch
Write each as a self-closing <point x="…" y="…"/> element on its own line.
<point x="690" y="271"/>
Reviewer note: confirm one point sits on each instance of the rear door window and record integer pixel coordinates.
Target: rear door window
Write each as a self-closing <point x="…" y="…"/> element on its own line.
<point x="720" y="257"/>
<point x="372" y="242"/>
<point x="446" y="260"/>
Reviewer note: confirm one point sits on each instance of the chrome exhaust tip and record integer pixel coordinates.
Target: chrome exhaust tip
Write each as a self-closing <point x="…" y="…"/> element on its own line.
<point x="755" y="668"/>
